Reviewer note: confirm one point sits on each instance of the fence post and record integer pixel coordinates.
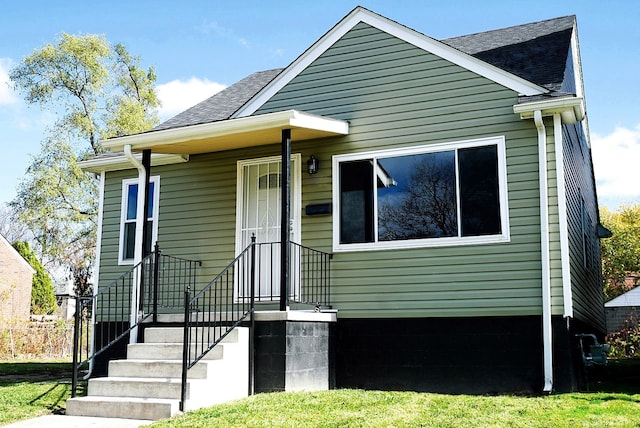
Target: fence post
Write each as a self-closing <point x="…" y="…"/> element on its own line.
<point x="76" y="338"/>
<point x="156" y="270"/>
<point x="185" y="349"/>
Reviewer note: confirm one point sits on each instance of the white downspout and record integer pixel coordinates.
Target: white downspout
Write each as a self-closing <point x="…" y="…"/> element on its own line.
<point x="562" y="218"/>
<point x="545" y="256"/>
<point x="137" y="254"/>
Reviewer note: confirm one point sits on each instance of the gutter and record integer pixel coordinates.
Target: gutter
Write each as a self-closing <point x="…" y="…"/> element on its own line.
<point x="547" y="341"/>
<point x="137" y="255"/>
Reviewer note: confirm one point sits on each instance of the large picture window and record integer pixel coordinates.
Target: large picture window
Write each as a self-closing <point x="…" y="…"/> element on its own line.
<point x="430" y="195"/>
<point x="129" y="209"/>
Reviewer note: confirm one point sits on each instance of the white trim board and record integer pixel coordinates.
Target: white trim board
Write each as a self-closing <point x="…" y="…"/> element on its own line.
<point x="360" y="14"/>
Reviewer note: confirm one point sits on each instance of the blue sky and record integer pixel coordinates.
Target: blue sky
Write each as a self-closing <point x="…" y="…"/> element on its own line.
<point x="198" y="47"/>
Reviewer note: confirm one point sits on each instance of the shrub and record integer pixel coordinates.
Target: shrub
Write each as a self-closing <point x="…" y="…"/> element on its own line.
<point x="34" y="340"/>
<point x="626" y="342"/>
<point x="43" y="299"/>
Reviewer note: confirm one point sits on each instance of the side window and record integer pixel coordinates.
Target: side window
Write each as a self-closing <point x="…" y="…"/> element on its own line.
<point x="129" y="209"/>
<point x="447" y="194"/>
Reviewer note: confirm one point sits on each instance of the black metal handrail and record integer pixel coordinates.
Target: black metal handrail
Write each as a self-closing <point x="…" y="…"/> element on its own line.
<point x="104" y="319"/>
<point x="212" y="313"/>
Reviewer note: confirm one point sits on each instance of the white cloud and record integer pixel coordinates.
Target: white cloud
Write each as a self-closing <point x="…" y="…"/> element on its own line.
<point x="616" y="160"/>
<point x="7" y="95"/>
<point x="178" y="95"/>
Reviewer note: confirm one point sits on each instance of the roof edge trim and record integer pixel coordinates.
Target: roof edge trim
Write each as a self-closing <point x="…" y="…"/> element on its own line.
<point x="286" y="118"/>
<point x="120" y="163"/>
<point x="360" y="14"/>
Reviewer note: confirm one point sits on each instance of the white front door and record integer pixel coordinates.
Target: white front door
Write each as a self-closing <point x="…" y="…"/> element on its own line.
<point x="259" y="214"/>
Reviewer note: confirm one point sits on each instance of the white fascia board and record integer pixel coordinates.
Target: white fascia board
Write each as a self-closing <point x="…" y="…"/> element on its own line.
<point x="287" y="118"/>
<point x="359" y="14"/>
<point x="120" y="162"/>
<point x="571" y="109"/>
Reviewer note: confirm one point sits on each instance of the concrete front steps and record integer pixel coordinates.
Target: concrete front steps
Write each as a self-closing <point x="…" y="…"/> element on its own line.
<point x="147" y="384"/>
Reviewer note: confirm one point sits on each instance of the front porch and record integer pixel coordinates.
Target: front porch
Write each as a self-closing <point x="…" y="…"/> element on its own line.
<point x="181" y="325"/>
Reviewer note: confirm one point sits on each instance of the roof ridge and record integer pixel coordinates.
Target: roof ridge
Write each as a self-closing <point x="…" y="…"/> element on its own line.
<point x="510" y="27"/>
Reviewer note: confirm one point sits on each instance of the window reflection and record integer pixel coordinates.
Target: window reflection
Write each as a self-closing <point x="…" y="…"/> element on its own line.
<point x="422" y="203"/>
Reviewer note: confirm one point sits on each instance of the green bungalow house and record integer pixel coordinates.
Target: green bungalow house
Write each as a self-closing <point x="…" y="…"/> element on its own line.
<point x="389" y="211"/>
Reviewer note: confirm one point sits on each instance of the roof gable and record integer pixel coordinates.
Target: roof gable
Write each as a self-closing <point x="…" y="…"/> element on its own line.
<point x="406" y="34"/>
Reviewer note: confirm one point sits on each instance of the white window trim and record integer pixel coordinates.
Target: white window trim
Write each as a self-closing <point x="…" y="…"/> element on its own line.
<point x="499" y="141"/>
<point x="123" y="207"/>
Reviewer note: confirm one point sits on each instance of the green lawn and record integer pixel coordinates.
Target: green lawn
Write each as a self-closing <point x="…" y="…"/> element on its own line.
<point x="32" y="389"/>
<point x="29" y="389"/>
<point x="355" y="408"/>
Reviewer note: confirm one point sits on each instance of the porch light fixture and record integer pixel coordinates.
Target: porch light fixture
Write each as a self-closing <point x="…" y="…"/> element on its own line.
<point x="313" y="165"/>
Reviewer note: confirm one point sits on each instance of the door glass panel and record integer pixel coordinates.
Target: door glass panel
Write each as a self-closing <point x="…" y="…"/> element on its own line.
<point x="260" y="216"/>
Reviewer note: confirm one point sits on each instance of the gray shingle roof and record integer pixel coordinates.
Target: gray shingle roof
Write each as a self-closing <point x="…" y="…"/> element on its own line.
<point x="223" y="104"/>
<point x="536" y="52"/>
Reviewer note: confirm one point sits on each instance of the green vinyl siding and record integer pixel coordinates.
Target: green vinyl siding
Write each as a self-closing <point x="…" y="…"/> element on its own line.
<point x="393" y="95"/>
<point x="586" y="281"/>
<point x="396" y="95"/>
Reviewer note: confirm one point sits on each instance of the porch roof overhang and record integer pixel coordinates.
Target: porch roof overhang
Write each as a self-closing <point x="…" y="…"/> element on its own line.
<point x="233" y="133"/>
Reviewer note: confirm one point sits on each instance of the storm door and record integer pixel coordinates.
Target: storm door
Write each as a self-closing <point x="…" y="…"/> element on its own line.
<point x="259" y="214"/>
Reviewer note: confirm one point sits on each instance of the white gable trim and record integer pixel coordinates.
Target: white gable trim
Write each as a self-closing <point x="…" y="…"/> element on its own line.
<point x="359" y="14"/>
<point x="17" y="254"/>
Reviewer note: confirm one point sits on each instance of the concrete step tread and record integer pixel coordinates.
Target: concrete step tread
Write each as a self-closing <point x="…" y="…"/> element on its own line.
<point x="138" y="379"/>
<point x="112" y="399"/>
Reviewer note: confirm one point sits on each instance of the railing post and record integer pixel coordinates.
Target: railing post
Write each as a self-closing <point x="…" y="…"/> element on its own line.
<point x="76" y="338"/>
<point x="185" y="349"/>
<point x="156" y="270"/>
<point x="252" y="293"/>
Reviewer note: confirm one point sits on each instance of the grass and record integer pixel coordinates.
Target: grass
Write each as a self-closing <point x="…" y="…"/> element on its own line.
<point x="30" y="389"/>
<point x="356" y="408"/>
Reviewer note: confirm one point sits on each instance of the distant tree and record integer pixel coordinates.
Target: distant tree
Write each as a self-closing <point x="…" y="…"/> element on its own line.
<point x="10" y="227"/>
<point x="43" y="299"/>
<point x="97" y="91"/>
<point x="621" y="252"/>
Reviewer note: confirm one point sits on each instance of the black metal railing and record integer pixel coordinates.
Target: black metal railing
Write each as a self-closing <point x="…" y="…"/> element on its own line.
<point x="212" y="313"/>
<point x="227" y="301"/>
<point x="168" y="278"/>
<point x="310" y="275"/>
<point x="104" y="319"/>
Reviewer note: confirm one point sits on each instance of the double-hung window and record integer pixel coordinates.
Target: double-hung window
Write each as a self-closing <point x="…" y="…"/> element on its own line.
<point x="129" y="210"/>
<point x="444" y="194"/>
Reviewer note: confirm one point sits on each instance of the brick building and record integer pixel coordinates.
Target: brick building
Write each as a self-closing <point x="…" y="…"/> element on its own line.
<point x="15" y="283"/>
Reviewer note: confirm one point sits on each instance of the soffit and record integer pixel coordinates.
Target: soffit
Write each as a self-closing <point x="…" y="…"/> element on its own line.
<point x="233" y="133"/>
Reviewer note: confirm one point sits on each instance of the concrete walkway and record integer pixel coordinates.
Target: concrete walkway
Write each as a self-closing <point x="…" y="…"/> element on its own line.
<point x="62" y="421"/>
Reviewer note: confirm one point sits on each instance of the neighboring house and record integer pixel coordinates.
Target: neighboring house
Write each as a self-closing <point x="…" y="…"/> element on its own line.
<point x="452" y="182"/>
<point x="625" y="307"/>
<point x="16" y="276"/>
